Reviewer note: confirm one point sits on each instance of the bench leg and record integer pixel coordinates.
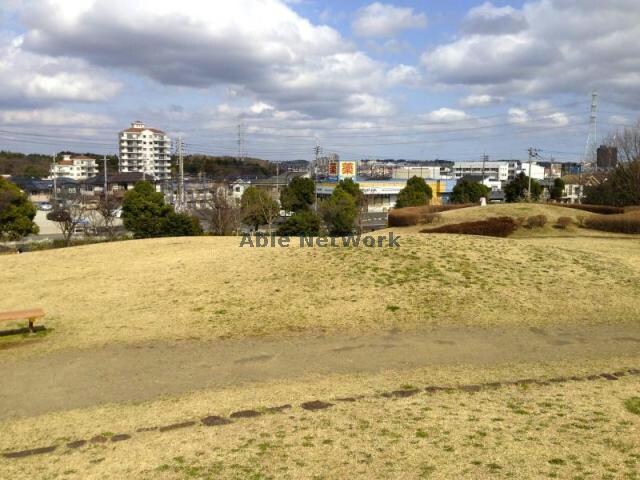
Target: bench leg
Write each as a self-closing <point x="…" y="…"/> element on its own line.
<point x="31" y="329"/>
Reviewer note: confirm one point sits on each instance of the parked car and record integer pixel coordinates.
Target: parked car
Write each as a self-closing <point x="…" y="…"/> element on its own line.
<point x="44" y="206"/>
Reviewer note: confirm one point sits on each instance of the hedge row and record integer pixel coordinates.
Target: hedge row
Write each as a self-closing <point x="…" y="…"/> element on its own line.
<point x="491" y="227"/>
<point x="405" y="217"/>
<point x="601" y="209"/>
<point x="624" y="223"/>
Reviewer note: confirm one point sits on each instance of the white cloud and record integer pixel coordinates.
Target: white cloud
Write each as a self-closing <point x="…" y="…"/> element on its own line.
<point x="445" y="115"/>
<point x="404" y="75"/>
<point x="518" y="116"/>
<point x="385" y="20"/>
<point x="541" y="113"/>
<point x="260" y="107"/>
<point x="260" y="48"/>
<point x="480" y="100"/>
<point x="546" y="47"/>
<point x="618" y="120"/>
<point x="492" y="20"/>
<point x="28" y="78"/>
<point x="365" y="105"/>
<point x="53" y="117"/>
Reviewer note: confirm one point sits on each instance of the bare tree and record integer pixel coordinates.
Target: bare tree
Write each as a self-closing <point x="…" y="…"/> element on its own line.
<point x="258" y="208"/>
<point x="221" y="213"/>
<point x="627" y="141"/>
<point x="104" y="215"/>
<point x="69" y="213"/>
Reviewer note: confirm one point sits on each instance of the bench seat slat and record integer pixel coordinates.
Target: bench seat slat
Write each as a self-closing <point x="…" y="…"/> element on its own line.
<point x="22" y="314"/>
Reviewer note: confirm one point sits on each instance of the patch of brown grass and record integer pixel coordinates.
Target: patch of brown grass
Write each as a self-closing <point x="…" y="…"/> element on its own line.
<point x="492" y="227"/>
<point x="404" y="217"/>
<point x="600" y="209"/>
<point x="623" y="223"/>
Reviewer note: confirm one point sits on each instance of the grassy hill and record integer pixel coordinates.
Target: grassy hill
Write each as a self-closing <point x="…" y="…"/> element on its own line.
<point x="555" y="418"/>
<point x="209" y="287"/>
<point x="520" y="212"/>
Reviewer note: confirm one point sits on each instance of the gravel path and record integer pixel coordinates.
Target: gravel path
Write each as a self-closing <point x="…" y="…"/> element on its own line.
<point x="134" y="373"/>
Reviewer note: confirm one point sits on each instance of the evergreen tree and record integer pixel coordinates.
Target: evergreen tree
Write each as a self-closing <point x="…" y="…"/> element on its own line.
<point x="469" y="192"/>
<point x="414" y="194"/>
<point x="340" y="212"/>
<point x="16" y="212"/>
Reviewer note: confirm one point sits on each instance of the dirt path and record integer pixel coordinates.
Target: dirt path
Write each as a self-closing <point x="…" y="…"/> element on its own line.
<point x="134" y="373"/>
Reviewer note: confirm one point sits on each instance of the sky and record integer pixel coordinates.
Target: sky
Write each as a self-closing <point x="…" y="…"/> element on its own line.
<point x="407" y="79"/>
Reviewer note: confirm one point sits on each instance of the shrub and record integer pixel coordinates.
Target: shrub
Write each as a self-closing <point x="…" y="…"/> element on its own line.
<point x="432" y="218"/>
<point x="602" y="209"/>
<point x="405" y="217"/>
<point x="491" y="227"/>
<point x="304" y="222"/>
<point x="623" y="223"/>
<point x="536" y="221"/>
<point x="563" y="222"/>
<point x="633" y="405"/>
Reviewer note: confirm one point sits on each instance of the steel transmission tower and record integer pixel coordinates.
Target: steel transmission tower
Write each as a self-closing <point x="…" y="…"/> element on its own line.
<point x="241" y="141"/>
<point x="592" y="139"/>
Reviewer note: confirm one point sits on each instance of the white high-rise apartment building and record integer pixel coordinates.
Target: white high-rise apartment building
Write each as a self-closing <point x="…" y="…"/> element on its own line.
<point x="77" y="167"/>
<point x="146" y="150"/>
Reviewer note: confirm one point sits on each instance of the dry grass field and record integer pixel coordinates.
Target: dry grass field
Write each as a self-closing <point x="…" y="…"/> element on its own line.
<point x="569" y="429"/>
<point x="576" y="415"/>
<point x="209" y="288"/>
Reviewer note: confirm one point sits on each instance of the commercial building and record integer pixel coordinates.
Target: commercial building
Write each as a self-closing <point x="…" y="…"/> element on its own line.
<point x="146" y="150"/>
<point x="380" y="195"/>
<point x="76" y="167"/>
<point x="406" y="172"/>
<point x="492" y="170"/>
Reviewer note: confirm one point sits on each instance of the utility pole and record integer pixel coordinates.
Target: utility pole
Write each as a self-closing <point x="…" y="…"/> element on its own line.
<point x="485" y="158"/>
<point x="55" y="183"/>
<point x="104" y="166"/>
<point x="316" y="150"/>
<point x="533" y="152"/>
<point x="181" y="201"/>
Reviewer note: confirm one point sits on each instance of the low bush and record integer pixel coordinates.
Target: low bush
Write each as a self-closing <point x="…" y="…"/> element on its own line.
<point x="405" y="217"/>
<point x="563" y="222"/>
<point x="581" y="219"/>
<point x="432" y="218"/>
<point x="536" y="221"/>
<point x="491" y="227"/>
<point x="601" y="209"/>
<point x="624" y="223"/>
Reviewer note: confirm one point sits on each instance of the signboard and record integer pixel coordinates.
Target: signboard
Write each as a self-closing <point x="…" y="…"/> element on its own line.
<point x="347" y="169"/>
<point x="333" y="169"/>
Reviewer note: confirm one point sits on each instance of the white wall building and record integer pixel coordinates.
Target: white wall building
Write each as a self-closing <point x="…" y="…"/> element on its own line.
<point x="146" y="150"/>
<point x="537" y="171"/>
<point x="407" y="172"/>
<point x="77" y="167"/>
<point x="493" y="170"/>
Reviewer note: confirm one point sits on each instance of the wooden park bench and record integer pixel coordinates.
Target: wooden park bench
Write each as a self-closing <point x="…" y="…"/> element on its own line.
<point x="31" y="315"/>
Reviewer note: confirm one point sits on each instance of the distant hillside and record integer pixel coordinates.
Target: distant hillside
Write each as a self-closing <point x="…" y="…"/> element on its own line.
<point x="19" y="164"/>
<point x="37" y="165"/>
<point x="225" y="166"/>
